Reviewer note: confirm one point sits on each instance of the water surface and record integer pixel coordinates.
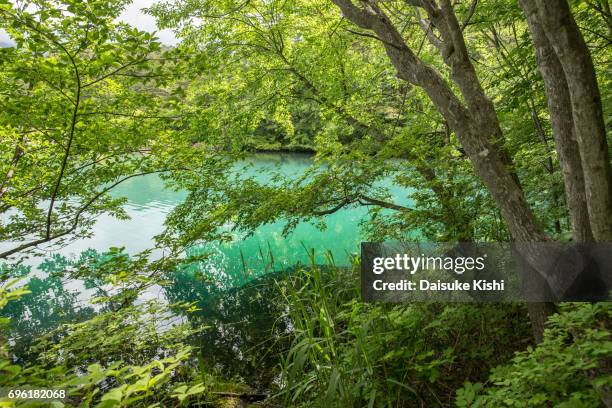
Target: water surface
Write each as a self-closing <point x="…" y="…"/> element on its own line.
<point x="54" y="301"/>
<point x="149" y="202"/>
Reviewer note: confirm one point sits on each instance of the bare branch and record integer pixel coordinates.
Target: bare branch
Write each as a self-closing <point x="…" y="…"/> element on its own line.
<point x="366" y="200"/>
<point x="370" y="36"/>
<point x="427" y="26"/>
<point x="466" y="22"/>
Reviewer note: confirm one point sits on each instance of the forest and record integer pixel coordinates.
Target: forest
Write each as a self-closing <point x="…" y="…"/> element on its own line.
<point x="180" y="222"/>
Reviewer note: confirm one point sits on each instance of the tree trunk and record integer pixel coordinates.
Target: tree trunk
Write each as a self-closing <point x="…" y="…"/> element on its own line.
<point x="573" y="95"/>
<point x="569" y="46"/>
<point x="538" y="314"/>
<point x="475" y="124"/>
<point x="560" y="108"/>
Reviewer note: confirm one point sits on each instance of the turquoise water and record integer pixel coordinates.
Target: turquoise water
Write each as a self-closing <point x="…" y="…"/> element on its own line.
<point x="54" y="301"/>
<point x="149" y="202"/>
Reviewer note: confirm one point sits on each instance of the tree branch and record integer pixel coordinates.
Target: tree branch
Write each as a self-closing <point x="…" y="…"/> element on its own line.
<point x="17" y="155"/>
<point x="113" y="72"/>
<point x="370" y="36"/>
<point x="79" y="213"/>
<point x="366" y="200"/>
<point x="466" y="22"/>
<point x="68" y="145"/>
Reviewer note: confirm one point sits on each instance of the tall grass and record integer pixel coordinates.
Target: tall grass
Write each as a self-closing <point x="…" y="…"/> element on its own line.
<point x="346" y="353"/>
<point x="318" y="298"/>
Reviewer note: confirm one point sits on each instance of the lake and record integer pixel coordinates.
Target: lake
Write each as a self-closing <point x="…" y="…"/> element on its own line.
<point x="54" y="301"/>
<point x="149" y="202"/>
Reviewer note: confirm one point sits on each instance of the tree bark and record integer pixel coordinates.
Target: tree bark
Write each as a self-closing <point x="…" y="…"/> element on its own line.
<point x="475" y="123"/>
<point x="569" y="78"/>
<point x="569" y="46"/>
<point x="560" y="109"/>
<point x="538" y="315"/>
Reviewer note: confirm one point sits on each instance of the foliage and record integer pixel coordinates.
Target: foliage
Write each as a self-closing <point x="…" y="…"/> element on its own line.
<point x="329" y="348"/>
<point x="265" y="57"/>
<point x="87" y="104"/>
<point x="131" y="356"/>
<point x="347" y="353"/>
<point x="262" y="57"/>
<point x="575" y="352"/>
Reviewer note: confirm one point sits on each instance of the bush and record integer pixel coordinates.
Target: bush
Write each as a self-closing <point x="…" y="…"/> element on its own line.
<point x="349" y="354"/>
<point x="570" y="368"/>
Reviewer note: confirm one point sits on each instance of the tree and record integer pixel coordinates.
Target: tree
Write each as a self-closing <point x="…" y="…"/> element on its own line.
<point x="260" y="60"/>
<point x="78" y="117"/>
<point x="559" y="106"/>
<point x="475" y="121"/>
<point x="422" y="127"/>
<point x="575" y="104"/>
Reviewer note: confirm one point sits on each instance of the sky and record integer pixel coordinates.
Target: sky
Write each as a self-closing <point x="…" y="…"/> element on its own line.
<point x="4" y="39"/>
<point x="135" y="17"/>
<point x="131" y="15"/>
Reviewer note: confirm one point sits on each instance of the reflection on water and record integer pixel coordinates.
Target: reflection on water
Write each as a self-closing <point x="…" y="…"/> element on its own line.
<point x="54" y="301"/>
<point x="149" y="202"/>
